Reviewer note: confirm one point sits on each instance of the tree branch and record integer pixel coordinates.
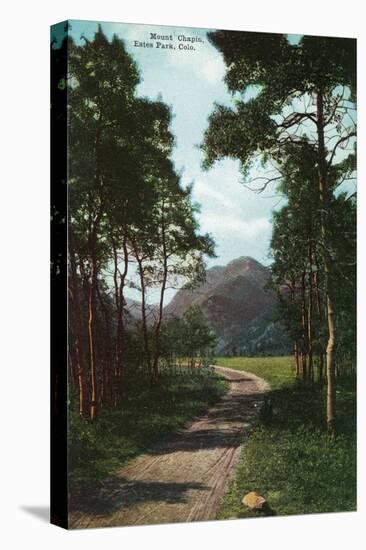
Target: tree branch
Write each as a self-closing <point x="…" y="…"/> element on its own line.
<point x="295" y="118"/>
<point x="341" y="140"/>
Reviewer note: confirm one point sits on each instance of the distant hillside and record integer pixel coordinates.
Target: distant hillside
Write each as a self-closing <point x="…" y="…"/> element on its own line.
<point x="135" y="315"/>
<point x="238" y="307"/>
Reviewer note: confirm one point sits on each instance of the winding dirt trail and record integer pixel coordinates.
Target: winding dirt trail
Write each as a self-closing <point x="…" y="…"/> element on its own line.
<point x="184" y="478"/>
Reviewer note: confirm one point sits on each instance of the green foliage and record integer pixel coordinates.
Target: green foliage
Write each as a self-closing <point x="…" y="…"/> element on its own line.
<point x="200" y="340"/>
<point x="292" y="118"/>
<point x="119" y="146"/>
<point x="285" y="78"/>
<point x="146" y="415"/>
<point x="126" y="205"/>
<point x="297" y="251"/>
<point x="344" y="248"/>
<point x="288" y="458"/>
<point x="190" y="337"/>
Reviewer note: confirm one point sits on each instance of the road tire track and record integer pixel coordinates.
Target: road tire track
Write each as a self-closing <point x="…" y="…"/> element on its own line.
<point x="183" y="478"/>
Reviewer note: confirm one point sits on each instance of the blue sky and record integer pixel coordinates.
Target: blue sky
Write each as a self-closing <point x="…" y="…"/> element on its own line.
<point x="191" y="82"/>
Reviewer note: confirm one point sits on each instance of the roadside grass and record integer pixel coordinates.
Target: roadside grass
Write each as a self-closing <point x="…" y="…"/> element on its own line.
<point x="147" y="415"/>
<point x="277" y="371"/>
<point x="288" y="457"/>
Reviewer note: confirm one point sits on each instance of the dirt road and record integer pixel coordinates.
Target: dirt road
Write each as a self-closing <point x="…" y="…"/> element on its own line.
<point x="184" y="478"/>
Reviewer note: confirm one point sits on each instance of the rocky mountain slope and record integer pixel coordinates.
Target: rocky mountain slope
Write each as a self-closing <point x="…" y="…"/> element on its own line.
<point x="240" y="310"/>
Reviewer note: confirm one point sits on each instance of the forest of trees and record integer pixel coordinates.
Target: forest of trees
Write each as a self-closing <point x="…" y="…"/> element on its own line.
<point x="298" y="272"/>
<point x="292" y="120"/>
<point x="298" y="127"/>
<point x="127" y="212"/>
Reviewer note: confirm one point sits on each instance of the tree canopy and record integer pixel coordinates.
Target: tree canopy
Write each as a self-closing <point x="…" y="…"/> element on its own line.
<point x="293" y="108"/>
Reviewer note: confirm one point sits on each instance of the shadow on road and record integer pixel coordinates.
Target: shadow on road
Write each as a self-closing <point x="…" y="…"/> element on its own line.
<point x="118" y="493"/>
<point x="222" y="427"/>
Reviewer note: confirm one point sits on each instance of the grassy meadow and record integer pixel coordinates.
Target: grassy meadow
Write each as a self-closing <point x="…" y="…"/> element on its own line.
<point x="288" y="458"/>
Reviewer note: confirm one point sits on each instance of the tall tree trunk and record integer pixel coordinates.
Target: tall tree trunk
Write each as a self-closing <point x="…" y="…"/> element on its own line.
<point x="320" y="317"/>
<point x="94" y="223"/>
<point x="310" y="311"/>
<point x="100" y="356"/>
<point x="317" y="292"/>
<point x="107" y="346"/>
<point x="296" y="343"/>
<point x="92" y="290"/>
<point x="304" y="328"/>
<point x="91" y="316"/>
<point x="121" y="322"/>
<point x="75" y="301"/>
<point x="328" y="267"/>
<point x="119" y="284"/>
<point x="145" y="332"/>
<point x="119" y="313"/>
<point x="162" y="293"/>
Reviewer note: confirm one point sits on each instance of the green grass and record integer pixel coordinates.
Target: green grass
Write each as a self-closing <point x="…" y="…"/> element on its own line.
<point x="146" y="416"/>
<point x="288" y="458"/>
<point x="278" y="371"/>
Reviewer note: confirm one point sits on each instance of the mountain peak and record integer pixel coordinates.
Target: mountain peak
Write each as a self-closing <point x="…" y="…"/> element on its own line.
<point x="237" y="305"/>
<point x="245" y="261"/>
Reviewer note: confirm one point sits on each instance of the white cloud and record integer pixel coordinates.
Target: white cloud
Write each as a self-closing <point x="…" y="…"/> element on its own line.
<point x="228" y="225"/>
<point x="205" y="63"/>
<point x="213" y="69"/>
<point x="203" y="192"/>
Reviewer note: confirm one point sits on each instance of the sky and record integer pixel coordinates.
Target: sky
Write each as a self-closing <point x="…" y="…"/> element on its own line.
<point x="191" y="81"/>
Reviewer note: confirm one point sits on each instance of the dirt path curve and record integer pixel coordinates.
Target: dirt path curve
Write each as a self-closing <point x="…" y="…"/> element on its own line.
<point x="183" y="478"/>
